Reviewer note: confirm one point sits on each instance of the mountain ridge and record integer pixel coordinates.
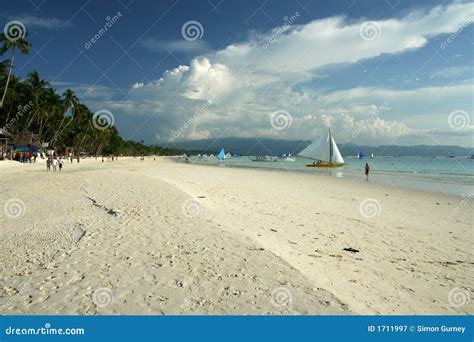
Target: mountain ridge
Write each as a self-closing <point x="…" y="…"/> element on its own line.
<point x="270" y="146"/>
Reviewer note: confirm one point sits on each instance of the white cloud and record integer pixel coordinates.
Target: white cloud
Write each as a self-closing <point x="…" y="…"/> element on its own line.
<point x="41" y="22"/>
<point x="180" y="45"/>
<point x="246" y="82"/>
<point x="137" y="85"/>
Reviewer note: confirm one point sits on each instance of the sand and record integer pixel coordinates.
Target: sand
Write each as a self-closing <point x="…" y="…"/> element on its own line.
<point x="159" y="237"/>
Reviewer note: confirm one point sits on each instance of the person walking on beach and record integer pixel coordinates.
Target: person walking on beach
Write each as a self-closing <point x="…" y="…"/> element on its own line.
<point x="367" y="169"/>
<point x="55" y="163"/>
<point x="48" y="164"/>
<point x="60" y="164"/>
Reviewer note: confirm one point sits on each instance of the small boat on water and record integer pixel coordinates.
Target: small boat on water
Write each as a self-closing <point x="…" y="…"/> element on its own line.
<point x="372" y="156"/>
<point x="360" y="155"/>
<point x="324" y="152"/>
<point x="286" y="157"/>
<point x="228" y="155"/>
<point x="221" y="154"/>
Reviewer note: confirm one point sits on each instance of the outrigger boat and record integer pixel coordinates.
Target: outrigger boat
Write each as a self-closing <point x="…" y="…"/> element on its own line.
<point x="324" y="152"/>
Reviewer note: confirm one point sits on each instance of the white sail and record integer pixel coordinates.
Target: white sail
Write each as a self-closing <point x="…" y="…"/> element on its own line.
<point x="321" y="149"/>
<point x="318" y="150"/>
<point x="336" y="155"/>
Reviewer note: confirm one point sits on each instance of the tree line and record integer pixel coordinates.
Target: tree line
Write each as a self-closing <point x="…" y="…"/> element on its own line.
<point x="33" y="105"/>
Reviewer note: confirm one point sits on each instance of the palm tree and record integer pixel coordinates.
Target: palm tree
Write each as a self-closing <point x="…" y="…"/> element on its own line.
<point x="10" y="44"/>
<point x="4" y="69"/>
<point x="68" y="101"/>
<point x="39" y="91"/>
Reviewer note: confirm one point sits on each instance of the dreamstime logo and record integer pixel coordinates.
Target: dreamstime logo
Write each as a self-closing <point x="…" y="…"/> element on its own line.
<point x="280" y="120"/>
<point x="109" y="22"/>
<point x="288" y="21"/>
<point x="103" y="119"/>
<point x="14" y="208"/>
<point x="190" y="121"/>
<point x="281" y="297"/>
<point x="458" y="119"/>
<point x="370" y="30"/>
<point x="103" y="297"/>
<point x="370" y="207"/>
<point x="464" y="202"/>
<point x="458" y="297"/>
<point x="14" y="30"/>
<point x="25" y="287"/>
<point x="191" y="208"/>
<point x="453" y="35"/>
<point x="192" y="30"/>
<point x="22" y="110"/>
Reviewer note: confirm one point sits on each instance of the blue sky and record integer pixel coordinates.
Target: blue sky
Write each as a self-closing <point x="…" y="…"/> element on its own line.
<point x="378" y="72"/>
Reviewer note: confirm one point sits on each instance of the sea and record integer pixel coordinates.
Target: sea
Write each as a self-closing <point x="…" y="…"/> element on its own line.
<point x="453" y="176"/>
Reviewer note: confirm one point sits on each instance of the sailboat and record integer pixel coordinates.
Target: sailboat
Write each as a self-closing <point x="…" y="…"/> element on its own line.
<point x="372" y="156"/>
<point x="360" y="155"/>
<point x="324" y="151"/>
<point x="221" y="154"/>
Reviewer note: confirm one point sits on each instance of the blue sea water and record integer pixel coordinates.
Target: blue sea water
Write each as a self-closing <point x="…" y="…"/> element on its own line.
<point x="439" y="174"/>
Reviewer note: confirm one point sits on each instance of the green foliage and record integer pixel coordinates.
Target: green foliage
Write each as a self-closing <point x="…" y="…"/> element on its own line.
<point x="32" y="105"/>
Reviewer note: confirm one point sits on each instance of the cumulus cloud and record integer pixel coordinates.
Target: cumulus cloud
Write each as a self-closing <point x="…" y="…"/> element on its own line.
<point x="245" y="82"/>
<point x="137" y="85"/>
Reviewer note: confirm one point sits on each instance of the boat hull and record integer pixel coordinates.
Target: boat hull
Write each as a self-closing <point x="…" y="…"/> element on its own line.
<point x="325" y="164"/>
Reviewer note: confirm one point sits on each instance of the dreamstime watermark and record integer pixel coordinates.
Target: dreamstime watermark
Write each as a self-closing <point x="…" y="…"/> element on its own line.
<point x="20" y="294"/>
<point x="192" y="30"/>
<point x="459" y="119"/>
<point x="102" y="297"/>
<point x="103" y="119"/>
<point x="370" y="30"/>
<point x="453" y="35"/>
<point x="280" y="119"/>
<point x="363" y="125"/>
<point x="370" y="207"/>
<point x="281" y="297"/>
<point x="22" y="110"/>
<point x="287" y="22"/>
<point x="458" y="297"/>
<point x="14" y="30"/>
<point x="191" y="208"/>
<point x="46" y="330"/>
<point x="14" y="208"/>
<point x="110" y="21"/>
<point x="191" y="120"/>
<point x="455" y="212"/>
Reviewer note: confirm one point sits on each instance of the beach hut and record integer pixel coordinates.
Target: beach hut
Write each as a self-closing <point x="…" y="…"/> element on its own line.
<point x="5" y="140"/>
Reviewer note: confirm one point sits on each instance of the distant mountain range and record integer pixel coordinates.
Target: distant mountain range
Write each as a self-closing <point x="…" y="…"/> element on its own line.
<point x="267" y="146"/>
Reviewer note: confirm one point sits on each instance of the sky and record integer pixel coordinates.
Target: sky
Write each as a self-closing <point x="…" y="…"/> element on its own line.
<point x="376" y="72"/>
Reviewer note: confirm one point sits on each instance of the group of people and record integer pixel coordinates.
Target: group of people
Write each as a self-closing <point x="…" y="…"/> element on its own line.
<point x="25" y="157"/>
<point x="55" y="162"/>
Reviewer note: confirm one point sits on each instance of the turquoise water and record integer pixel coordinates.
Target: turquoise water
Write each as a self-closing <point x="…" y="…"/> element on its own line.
<point x="441" y="174"/>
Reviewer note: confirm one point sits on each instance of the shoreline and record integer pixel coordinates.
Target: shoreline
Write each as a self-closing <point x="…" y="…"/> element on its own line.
<point x="377" y="177"/>
<point x="175" y="238"/>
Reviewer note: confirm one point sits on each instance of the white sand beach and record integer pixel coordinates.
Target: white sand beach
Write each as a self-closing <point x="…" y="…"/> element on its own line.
<point x="159" y="237"/>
